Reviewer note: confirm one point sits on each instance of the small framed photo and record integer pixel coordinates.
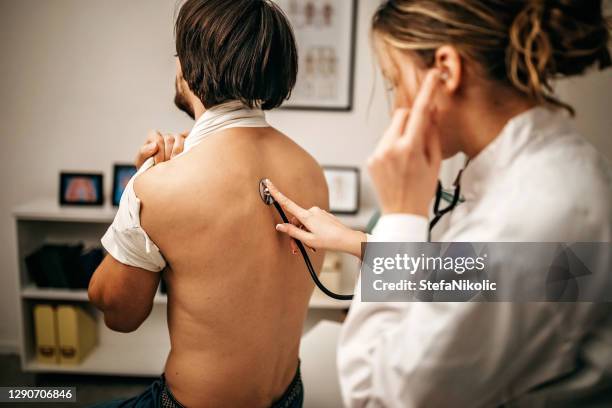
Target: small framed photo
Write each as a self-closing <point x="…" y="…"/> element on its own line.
<point x="122" y="173"/>
<point x="343" y="183"/>
<point x="81" y="188"/>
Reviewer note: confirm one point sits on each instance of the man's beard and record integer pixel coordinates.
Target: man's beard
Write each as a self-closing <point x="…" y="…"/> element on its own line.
<point x="181" y="102"/>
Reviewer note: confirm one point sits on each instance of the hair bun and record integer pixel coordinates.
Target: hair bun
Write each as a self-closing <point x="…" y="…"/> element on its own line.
<point x="555" y="38"/>
<point x="579" y="34"/>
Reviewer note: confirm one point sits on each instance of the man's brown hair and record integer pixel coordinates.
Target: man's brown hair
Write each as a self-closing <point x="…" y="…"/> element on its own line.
<point x="236" y="49"/>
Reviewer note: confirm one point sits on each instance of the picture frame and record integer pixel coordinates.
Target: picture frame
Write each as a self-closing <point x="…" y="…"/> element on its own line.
<point x="122" y="173"/>
<point x="81" y="189"/>
<point x="344" y="189"/>
<point x="325" y="32"/>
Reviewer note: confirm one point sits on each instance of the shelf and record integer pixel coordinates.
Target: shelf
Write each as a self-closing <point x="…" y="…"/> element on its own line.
<point x="131" y="354"/>
<point x="50" y="210"/>
<point x="147" y="359"/>
<point x="79" y="295"/>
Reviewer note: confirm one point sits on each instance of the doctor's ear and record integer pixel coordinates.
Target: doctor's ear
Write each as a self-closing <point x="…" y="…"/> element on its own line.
<point x="449" y="62"/>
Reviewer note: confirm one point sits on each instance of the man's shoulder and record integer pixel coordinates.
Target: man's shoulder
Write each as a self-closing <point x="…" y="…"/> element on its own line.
<point x="227" y="166"/>
<point x="199" y="161"/>
<point x="171" y="204"/>
<point x="154" y="182"/>
<point x="171" y="181"/>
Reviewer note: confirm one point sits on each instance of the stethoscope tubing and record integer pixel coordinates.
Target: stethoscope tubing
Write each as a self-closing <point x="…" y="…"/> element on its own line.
<point x="438" y="214"/>
<point x="311" y="270"/>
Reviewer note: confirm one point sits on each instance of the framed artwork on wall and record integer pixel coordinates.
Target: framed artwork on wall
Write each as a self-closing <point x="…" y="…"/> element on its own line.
<point x="81" y="188"/>
<point x="343" y="183"/>
<point x="122" y="173"/>
<point x="325" y="35"/>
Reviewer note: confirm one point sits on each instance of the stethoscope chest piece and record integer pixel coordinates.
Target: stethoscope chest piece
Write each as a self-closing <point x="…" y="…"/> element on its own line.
<point x="264" y="193"/>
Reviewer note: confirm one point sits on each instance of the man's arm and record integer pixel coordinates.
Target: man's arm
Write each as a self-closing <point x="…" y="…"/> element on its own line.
<point x="123" y="293"/>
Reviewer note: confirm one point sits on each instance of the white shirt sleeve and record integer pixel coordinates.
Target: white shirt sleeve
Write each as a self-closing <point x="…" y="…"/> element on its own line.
<point x="450" y="354"/>
<point x="400" y="228"/>
<point x="125" y="240"/>
<point x="359" y="351"/>
<point x="436" y="354"/>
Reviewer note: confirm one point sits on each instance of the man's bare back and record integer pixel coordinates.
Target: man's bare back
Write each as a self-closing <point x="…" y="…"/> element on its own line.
<point x="237" y="296"/>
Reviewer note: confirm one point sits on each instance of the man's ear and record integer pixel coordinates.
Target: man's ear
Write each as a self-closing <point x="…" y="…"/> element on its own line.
<point x="449" y="62"/>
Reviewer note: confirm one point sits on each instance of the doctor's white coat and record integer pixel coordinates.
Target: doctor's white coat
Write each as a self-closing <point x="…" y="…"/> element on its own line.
<point x="538" y="181"/>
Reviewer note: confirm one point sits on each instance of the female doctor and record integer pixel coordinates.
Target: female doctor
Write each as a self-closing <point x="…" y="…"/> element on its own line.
<point x="474" y="76"/>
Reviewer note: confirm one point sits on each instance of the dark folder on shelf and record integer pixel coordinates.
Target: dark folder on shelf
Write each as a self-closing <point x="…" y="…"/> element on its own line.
<point x="63" y="266"/>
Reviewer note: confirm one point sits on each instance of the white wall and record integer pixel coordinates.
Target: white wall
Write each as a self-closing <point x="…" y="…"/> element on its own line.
<point x="591" y="96"/>
<point x="81" y="81"/>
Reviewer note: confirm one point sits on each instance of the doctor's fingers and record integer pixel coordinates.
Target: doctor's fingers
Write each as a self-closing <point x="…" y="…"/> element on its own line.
<point x="307" y="238"/>
<point x="293" y="243"/>
<point x="300" y="213"/>
<point x="294" y="247"/>
<point x="433" y="148"/>
<point x="395" y="130"/>
<point x="422" y="110"/>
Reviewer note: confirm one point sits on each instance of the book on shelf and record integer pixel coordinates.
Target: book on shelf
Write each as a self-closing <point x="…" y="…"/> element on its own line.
<point x="77" y="334"/>
<point x="45" y="328"/>
<point x="65" y="334"/>
<point x="63" y="266"/>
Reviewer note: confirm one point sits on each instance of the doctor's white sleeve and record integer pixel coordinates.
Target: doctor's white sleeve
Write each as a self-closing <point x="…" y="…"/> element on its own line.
<point x="366" y="322"/>
<point x="420" y="354"/>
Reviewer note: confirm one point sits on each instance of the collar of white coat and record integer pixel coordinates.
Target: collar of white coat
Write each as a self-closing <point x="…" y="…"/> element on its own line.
<point x="520" y="131"/>
<point x="224" y="116"/>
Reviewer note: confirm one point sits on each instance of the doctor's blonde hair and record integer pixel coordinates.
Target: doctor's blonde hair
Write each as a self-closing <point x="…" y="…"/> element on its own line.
<point x="526" y="44"/>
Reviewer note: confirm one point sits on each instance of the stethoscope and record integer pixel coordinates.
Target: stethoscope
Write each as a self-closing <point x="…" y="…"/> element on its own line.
<point x="443" y="195"/>
<point x="267" y="198"/>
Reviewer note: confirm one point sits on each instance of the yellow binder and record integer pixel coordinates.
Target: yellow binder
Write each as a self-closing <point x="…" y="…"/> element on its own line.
<point x="77" y="334"/>
<point x="45" y="327"/>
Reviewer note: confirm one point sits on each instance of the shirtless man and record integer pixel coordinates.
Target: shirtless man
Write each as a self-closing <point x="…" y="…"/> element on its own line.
<point x="237" y="296"/>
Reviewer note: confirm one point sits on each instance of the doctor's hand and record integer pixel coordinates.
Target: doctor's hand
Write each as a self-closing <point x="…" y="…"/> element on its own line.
<point x="321" y="229"/>
<point x="405" y="165"/>
<point x="162" y="147"/>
